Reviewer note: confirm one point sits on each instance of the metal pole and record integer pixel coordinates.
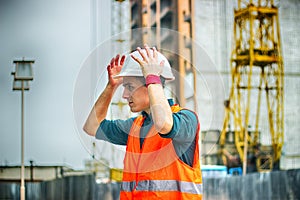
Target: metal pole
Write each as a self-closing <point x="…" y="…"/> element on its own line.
<point x="22" y="188"/>
<point x="245" y="152"/>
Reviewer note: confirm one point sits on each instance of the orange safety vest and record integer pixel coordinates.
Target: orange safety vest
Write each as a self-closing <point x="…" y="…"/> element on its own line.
<point x="155" y="171"/>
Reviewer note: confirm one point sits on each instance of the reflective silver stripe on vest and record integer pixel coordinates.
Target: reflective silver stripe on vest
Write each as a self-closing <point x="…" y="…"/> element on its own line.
<point x="162" y="185"/>
<point x="128" y="186"/>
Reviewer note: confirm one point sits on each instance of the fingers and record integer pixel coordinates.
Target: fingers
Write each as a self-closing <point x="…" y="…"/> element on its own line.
<point x="117" y="60"/>
<point x="148" y="56"/>
<point x="108" y="69"/>
<point x="112" y="62"/>
<point x="115" y="64"/>
<point x="147" y="50"/>
<point x="122" y="60"/>
<point x="136" y="59"/>
<point x="142" y="54"/>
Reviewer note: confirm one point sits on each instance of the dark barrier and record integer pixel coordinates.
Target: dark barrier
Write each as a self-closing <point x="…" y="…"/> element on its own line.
<point x="67" y="188"/>
<point x="281" y="185"/>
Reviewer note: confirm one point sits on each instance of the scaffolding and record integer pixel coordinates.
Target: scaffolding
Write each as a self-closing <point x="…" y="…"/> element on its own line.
<point x="257" y="73"/>
<point x="156" y="22"/>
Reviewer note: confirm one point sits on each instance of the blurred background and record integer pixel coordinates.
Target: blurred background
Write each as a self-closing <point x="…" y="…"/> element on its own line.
<point x="241" y="79"/>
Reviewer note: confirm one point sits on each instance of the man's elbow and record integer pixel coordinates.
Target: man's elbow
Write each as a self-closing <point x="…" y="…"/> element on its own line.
<point x="89" y="130"/>
<point x="164" y="127"/>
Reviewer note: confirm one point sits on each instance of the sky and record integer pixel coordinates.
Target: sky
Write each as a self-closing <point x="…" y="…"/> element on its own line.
<point x="56" y="34"/>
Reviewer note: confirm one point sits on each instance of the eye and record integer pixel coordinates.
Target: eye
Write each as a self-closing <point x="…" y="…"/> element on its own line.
<point x="130" y="88"/>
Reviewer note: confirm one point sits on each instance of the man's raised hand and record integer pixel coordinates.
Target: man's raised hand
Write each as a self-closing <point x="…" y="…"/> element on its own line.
<point x="114" y="69"/>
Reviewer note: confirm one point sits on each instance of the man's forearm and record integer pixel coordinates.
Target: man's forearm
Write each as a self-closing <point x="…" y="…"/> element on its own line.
<point x="99" y="110"/>
<point x="160" y="109"/>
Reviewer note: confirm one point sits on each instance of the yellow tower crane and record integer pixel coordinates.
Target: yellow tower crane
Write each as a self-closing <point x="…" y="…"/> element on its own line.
<point x="254" y="110"/>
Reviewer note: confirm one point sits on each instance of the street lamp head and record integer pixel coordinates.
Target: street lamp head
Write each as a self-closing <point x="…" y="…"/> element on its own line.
<point x="23" y="74"/>
<point x="23" y="70"/>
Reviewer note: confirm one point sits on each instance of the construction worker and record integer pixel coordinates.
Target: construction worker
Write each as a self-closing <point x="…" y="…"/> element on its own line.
<point x="162" y="153"/>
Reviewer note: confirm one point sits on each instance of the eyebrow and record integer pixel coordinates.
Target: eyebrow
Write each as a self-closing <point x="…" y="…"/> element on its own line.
<point x="126" y="84"/>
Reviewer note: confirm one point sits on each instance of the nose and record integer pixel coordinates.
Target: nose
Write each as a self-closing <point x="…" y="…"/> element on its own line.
<point x="125" y="94"/>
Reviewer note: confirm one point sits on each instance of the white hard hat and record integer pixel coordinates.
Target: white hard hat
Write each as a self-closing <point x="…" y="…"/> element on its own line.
<point x="133" y="68"/>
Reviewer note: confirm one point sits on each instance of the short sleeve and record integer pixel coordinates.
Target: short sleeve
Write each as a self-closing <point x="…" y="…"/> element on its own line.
<point x="185" y="124"/>
<point x="114" y="131"/>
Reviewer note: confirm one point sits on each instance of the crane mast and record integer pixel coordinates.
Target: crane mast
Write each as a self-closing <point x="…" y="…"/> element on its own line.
<point x="254" y="118"/>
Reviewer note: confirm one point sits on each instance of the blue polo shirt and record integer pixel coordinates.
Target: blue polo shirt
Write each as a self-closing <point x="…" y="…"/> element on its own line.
<point x="183" y="132"/>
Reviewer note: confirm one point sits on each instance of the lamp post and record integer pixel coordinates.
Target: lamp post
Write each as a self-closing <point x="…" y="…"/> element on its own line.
<point x="22" y="75"/>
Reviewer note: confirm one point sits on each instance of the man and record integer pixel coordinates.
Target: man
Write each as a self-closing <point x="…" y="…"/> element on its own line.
<point x="162" y="153"/>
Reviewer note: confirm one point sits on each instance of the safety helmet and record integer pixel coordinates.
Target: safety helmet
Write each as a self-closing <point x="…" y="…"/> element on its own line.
<point x="133" y="68"/>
